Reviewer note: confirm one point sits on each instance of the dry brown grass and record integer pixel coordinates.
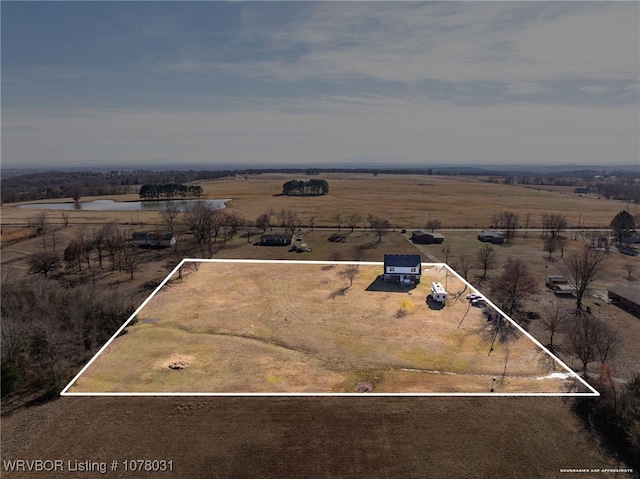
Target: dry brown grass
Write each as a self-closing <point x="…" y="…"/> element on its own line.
<point x="297" y="328"/>
<point x="406" y="200"/>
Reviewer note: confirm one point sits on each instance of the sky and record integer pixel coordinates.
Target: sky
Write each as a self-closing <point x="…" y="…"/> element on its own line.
<point x="88" y="84"/>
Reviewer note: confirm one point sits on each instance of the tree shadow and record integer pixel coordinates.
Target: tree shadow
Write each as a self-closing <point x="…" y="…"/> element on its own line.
<point x="433" y="304"/>
<point x="338" y="292"/>
<point x="498" y="329"/>
<point x="379" y="284"/>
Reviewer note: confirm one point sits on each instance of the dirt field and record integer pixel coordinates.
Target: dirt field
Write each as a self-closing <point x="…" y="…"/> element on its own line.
<point x="236" y="438"/>
<point x="292" y="327"/>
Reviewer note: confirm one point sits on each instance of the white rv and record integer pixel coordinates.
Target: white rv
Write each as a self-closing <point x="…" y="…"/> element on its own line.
<point x="438" y="293"/>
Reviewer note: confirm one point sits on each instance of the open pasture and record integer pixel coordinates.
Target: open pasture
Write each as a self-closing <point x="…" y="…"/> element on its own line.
<point x="405" y="200"/>
<point x="301" y="328"/>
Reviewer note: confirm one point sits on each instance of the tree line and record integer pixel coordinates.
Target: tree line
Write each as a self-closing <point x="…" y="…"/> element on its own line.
<point x="49" y="329"/>
<point x="156" y="191"/>
<point x="312" y="187"/>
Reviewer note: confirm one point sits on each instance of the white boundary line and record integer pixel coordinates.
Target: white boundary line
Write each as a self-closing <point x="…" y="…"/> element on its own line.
<point x="65" y="391"/>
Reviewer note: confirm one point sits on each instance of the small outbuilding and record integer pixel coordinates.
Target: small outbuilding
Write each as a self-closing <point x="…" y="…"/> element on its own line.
<point x="273" y="239"/>
<point x="489" y="236"/>
<point x="402" y="268"/>
<point x="426" y="237"/>
<point x="559" y="284"/>
<point x="625" y="296"/>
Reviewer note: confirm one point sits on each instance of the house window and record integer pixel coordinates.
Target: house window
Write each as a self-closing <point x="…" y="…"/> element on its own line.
<point x="413" y="270"/>
<point x="391" y="269"/>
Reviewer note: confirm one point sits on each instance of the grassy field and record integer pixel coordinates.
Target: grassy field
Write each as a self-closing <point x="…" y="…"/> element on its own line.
<point x="292" y="327"/>
<point x="330" y="437"/>
<point x="406" y="200"/>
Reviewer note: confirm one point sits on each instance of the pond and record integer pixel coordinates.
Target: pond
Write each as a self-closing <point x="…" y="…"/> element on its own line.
<point x="110" y="205"/>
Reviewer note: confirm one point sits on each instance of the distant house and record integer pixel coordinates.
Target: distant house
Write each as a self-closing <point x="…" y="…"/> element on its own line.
<point x="426" y="237"/>
<point x="488" y="236"/>
<point x="625" y="296"/>
<point x="152" y="239"/>
<point x="273" y="239"/>
<point x="402" y="268"/>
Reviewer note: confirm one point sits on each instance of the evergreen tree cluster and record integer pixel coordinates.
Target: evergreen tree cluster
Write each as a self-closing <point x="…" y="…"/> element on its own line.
<point x="169" y="190"/>
<point x="305" y="188"/>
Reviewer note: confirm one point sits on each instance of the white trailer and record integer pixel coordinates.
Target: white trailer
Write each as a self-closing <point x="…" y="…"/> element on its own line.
<point x="438" y="293"/>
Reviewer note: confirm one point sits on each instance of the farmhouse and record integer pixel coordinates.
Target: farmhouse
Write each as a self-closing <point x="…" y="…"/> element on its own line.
<point x="151" y="239"/>
<point x="402" y="268"/>
<point x="426" y="237"/>
<point x="627" y="297"/>
<point x="276" y="239"/>
<point x="488" y="236"/>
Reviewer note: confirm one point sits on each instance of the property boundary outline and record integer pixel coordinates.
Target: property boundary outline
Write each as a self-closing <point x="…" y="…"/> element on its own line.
<point x="573" y="374"/>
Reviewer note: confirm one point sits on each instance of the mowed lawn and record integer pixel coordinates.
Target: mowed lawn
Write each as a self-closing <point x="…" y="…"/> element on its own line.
<point x="302" y="328"/>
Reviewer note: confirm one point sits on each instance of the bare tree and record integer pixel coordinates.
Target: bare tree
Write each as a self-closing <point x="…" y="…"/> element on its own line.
<point x="380" y="226"/>
<point x="170" y="216"/>
<point x="44" y="263"/>
<point x="447" y="252"/>
<point x="553" y="223"/>
<point x="630" y="268"/>
<point x="65" y="218"/>
<point x="312" y="221"/>
<point x="433" y="224"/>
<point x="353" y="220"/>
<point x="550" y="245"/>
<point x="583" y="268"/>
<point x="337" y="218"/>
<point x="204" y="223"/>
<point x="622" y="225"/>
<point x="554" y="320"/>
<point x="486" y="257"/>
<point x="131" y="259"/>
<point x="561" y="241"/>
<point x="527" y="223"/>
<point x="350" y="273"/>
<point x="582" y="335"/>
<point x="291" y="221"/>
<point x="557" y="224"/>
<point x="606" y="343"/>
<point x="262" y="222"/>
<point x="99" y="240"/>
<point x="358" y="252"/>
<point x="513" y="286"/>
<point x="508" y="222"/>
<point x="38" y="224"/>
<point x="115" y="244"/>
<point x="464" y="266"/>
<point x="271" y="213"/>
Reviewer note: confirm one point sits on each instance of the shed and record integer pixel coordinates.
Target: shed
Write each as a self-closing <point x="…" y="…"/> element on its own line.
<point x="489" y="236"/>
<point x="426" y="237"/>
<point x="626" y="296"/>
<point x="402" y="268"/>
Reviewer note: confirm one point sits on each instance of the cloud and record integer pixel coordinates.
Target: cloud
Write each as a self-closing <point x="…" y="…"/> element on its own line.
<point x="518" y="45"/>
<point x="594" y="89"/>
